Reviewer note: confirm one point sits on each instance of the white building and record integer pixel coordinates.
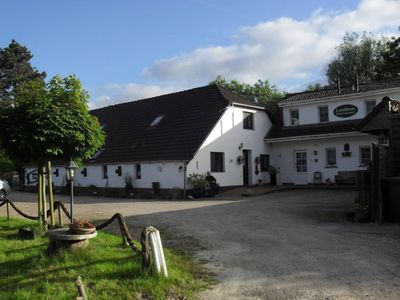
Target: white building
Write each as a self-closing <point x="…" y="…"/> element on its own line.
<point x="164" y="139"/>
<point x="318" y="132"/>
<point x="153" y="140"/>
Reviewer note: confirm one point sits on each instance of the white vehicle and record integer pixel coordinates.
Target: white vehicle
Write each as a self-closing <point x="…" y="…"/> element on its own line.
<point x="4" y="189"/>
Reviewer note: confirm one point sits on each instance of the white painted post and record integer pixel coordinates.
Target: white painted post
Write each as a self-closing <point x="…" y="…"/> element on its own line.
<point x="154" y="251"/>
<point x="161" y="253"/>
<point x="159" y="263"/>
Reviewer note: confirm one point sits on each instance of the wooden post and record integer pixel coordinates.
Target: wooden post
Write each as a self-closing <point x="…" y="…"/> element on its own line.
<point x="60" y="220"/>
<point x="81" y="288"/>
<point x="8" y="211"/>
<point x="44" y="211"/>
<point x="40" y="195"/>
<point x="51" y="199"/>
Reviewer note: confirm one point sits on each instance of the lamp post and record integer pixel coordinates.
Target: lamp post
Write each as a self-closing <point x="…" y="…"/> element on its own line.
<point x="70" y="177"/>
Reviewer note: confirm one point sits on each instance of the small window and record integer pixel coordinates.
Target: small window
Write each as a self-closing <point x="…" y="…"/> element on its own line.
<point x="157" y="120"/>
<point x="369" y="106"/>
<point x="294" y="117"/>
<point x="217" y="162"/>
<point x="248" y="120"/>
<point x="264" y="162"/>
<point x="365" y="155"/>
<point x="138" y="171"/>
<point x="323" y="114"/>
<point x="331" y="157"/>
<point x="105" y="172"/>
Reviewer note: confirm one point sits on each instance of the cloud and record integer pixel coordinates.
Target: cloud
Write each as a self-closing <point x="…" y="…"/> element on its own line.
<point x="281" y="50"/>
<point x="118" y="93"/>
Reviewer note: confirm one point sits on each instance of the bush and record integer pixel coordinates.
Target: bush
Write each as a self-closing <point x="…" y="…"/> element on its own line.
<point x="197" y="181"/>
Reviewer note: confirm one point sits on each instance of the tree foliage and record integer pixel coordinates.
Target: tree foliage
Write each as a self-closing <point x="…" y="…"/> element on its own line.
<point x="50" y="122"/>
<point x="367" y="57"/>
<point x="261" y="92"/>
<point x="15" y="69"/>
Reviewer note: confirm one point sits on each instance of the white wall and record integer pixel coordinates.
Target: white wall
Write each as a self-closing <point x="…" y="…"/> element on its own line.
<point x="309" y="113"/>
<point x="167" y="173"/>
<point x="282" y="156"/>
<point x="226" y="137"/>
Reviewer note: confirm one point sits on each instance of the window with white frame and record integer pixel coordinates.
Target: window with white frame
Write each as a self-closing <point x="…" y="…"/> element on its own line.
<point x="330" y="157"/>
<point x="217" y="162"/>
<point x="365" y="155"/>
<point x="323" y="114"/>
<point x="301" y="161"/>
<point x="248" y="120"/>
<point x="294" y="117"/>
<point x="369" y="106"/>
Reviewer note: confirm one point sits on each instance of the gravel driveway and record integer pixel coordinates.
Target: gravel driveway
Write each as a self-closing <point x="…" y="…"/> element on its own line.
<point x="284" y="245"/>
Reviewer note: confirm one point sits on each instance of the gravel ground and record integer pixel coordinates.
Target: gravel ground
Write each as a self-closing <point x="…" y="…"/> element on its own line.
<point x="284" y="245"/>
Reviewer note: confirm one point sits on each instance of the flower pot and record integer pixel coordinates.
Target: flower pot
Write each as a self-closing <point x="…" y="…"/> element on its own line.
<point x="79" y="230"/>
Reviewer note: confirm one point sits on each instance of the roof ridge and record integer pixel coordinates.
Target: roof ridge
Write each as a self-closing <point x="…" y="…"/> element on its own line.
<point x="154" y="97"/>
<point x="250" y="101"/>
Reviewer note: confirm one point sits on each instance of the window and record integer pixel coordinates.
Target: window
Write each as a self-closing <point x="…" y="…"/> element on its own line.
<point x="248" y="120"/>
<point x="264" y="162"/>
<point x="301" y="161"/>
<point x="365" y="155"/>
<point x="369" y="106"/>
<point x="294" y="117"/>
<point x="138" y="171"/>
<point x="323" y="114"/>
<point x="105" y="172"/>
<point x="157" y="120"/>
<point x="217" y="162"/>
<point x="331" y="157"/>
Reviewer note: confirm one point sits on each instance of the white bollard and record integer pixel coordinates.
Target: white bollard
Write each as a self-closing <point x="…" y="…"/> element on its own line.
<point x="159" y="263"/>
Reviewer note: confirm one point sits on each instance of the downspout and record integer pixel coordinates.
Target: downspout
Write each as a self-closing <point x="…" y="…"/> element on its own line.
<point x="185" y="163"/>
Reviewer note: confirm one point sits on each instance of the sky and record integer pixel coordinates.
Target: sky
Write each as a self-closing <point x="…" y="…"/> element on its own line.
<point x="125" y="50"/>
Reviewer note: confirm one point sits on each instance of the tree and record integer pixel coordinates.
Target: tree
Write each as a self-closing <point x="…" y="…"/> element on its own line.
<point x="49" y="122"/>
<point x="15" y="69"/>
<point x="356" y="57"/>
<point x="390" y="67"/>
<point x="261" y="92"/>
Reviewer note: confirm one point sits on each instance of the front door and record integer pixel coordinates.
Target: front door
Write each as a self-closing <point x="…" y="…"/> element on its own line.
<point x="246" y="167"/>
<point x="300" y="160"/>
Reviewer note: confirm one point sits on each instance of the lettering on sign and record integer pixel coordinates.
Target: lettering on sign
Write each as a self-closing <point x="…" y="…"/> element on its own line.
<point x="345" y="111"/>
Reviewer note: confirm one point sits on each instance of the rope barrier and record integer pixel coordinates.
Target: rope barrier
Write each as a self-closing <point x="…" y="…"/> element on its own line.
<point x="144" y="239"/>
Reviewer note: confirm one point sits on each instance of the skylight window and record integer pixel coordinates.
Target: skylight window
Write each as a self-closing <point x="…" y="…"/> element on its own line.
<point x="157" y="120"/>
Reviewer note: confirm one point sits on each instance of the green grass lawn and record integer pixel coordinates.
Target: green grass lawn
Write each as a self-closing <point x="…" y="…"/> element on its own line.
<point x="108" y="270"/>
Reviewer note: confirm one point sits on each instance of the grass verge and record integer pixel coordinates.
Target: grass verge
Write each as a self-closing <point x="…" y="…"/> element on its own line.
<point x="108" y="270"/>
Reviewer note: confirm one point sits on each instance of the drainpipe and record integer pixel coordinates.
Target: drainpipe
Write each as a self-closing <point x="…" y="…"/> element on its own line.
<point x="185" y="163"/>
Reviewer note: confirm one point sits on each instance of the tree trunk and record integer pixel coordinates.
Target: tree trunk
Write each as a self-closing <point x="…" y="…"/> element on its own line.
<point x="51" y="199"/>
<point x="40" y="195"/>
<point x="44" y="205"/>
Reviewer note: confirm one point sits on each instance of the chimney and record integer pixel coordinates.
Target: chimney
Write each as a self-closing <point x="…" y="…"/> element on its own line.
<point x="338" y="83"/>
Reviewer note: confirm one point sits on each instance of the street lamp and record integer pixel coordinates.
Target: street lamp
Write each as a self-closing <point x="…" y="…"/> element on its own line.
<point x="70" y="177"/>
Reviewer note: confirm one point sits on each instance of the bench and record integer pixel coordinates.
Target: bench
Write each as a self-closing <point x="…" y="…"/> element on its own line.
<point x="347" y="178"/>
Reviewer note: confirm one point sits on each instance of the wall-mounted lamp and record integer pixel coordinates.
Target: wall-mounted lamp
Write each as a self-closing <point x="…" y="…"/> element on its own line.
<point x="118" y="171"/>
<point x="240" y="146"/>
<point x="56" y="173"/>
<point x="84" y="172"/>
<point x="180" y="168"/>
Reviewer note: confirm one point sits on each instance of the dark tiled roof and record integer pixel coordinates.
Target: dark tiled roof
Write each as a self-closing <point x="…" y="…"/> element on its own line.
<point x="236" y="98"/>
<point x="277" y="131"/>
<point x="326" y="93"/>
<point x="189" y="116"/>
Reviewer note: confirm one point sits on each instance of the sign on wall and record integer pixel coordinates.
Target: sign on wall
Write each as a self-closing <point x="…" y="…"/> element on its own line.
<point x="345" y="111"/>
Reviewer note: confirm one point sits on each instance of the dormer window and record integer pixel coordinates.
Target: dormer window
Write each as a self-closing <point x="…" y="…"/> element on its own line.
<point x="157" y="120"/>
<point x="294" y="117"/>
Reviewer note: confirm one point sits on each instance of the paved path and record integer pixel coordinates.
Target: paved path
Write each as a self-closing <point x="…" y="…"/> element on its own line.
<point x="284" y="245"/>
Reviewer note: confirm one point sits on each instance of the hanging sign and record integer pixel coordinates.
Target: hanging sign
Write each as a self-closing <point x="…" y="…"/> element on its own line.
<point x="345" y="111"/>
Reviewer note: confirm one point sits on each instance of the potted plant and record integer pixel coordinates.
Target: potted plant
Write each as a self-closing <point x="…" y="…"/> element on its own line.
<point x="82" y="227"/>
<point x="198" y="183"/>
<point x="361" y="213"/>
<point x="272" y="173"/>
<point x="128" y="185"/>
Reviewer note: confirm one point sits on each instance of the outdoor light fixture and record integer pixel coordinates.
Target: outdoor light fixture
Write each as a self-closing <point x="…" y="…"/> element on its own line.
<point x="240" y="146"/>
<point x="71" y="168"/>
<point x="71" y="171"/>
